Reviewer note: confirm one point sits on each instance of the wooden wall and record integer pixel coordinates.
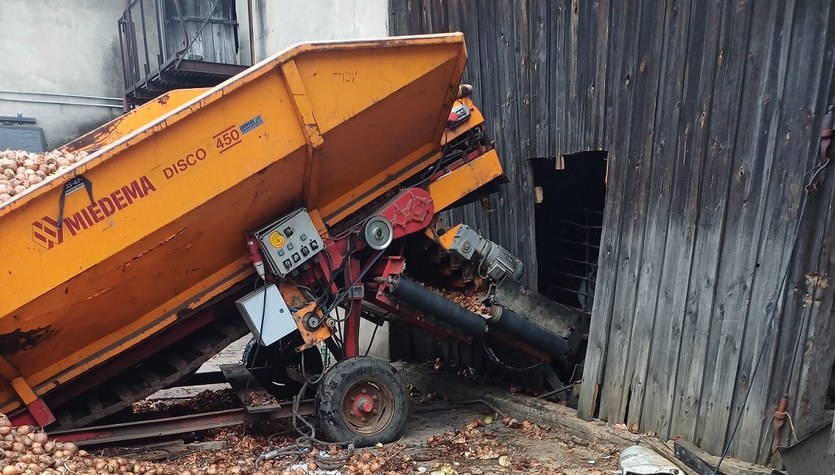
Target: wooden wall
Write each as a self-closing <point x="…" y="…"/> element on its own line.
<point x="710" y="111"/>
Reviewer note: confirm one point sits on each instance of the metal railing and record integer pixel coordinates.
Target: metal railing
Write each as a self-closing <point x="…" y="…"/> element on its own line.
<point x="154" y="34"/>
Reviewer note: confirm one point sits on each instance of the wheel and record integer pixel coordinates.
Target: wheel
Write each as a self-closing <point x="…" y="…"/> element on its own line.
<point x="270" y="364"/>
<point x="362" y="400"/>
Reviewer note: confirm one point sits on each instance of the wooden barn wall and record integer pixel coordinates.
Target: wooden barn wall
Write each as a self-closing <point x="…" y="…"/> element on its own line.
<point x="710" y="112"/>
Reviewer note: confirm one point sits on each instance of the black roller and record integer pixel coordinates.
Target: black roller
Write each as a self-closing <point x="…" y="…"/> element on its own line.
<point x="436" y="306"/>
<point x="517" y="326"/>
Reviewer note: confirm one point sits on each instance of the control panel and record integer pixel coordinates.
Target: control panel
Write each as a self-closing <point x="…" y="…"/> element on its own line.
<point x="289" y="242"/>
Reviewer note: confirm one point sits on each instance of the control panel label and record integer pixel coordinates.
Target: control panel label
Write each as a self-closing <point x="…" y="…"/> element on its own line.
<point x="251" y="124"/>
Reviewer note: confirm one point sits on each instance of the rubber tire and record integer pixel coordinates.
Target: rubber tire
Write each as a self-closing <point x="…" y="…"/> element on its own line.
<point x="336" y="382"/>
<point x="273" y="362"/>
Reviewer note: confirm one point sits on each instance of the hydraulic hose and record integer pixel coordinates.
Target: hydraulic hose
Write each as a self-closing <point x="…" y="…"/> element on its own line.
<point x="436" y="306"/>
<point x="517" y="326"/>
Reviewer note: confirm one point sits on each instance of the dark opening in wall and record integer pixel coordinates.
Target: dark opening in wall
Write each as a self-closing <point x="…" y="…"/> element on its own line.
<point x="570" y="196"/>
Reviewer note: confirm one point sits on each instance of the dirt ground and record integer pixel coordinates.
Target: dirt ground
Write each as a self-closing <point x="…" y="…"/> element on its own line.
<point x="439" y="439"/>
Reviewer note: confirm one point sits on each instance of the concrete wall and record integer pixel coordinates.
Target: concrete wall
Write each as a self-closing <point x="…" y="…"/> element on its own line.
<point x="281" y="23"/>
<point x="61" y="47"/>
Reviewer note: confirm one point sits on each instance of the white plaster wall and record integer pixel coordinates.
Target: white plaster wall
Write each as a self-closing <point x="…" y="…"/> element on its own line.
<point x="65" y="47"/>
<point x="281" y="23"/>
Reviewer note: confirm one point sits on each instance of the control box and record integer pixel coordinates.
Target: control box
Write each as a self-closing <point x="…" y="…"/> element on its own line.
<point x="266" y="314"/>
<point x="289" y="242"/>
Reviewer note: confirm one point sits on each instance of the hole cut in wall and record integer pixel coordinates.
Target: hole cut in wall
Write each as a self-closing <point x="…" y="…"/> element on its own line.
<point x="570" y="194"/>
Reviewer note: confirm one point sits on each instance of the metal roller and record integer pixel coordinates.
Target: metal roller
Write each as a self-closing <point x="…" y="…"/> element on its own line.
<point x="517" y="326"/>
<point x="436" y="306"/>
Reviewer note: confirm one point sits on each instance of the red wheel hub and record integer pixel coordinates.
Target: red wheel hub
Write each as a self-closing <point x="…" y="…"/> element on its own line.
<point x="363" y="404"/>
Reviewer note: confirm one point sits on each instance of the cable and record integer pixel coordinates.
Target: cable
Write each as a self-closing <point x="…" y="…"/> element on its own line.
<point x="373" y="334"/>
<point x="495" y="359"/>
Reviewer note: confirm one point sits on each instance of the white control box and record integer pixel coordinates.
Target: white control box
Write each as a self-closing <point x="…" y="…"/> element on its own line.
<point x="268" y="324"/>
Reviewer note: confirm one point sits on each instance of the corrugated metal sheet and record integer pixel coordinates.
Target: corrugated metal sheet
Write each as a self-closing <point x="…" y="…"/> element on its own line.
<point x="710" y="111"/>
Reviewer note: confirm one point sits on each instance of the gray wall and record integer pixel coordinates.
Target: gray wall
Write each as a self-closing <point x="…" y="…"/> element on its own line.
<point x="281" y="23"/>
<point x="61" y="47"/>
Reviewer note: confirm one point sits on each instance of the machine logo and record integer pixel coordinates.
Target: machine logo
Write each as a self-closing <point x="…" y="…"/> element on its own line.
<point x="46" y="233"/>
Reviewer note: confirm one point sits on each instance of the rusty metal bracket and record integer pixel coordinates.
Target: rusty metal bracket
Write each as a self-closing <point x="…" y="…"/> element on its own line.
<point x="37" y="407"/>
<point x="824" y="157"/>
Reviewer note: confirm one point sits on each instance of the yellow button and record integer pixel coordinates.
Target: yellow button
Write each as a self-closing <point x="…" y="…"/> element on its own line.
<point x="276" y="239"/>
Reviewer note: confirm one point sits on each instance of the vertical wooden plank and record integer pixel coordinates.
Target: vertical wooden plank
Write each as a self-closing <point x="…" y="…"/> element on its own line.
<point x="600" y="52"/>
<point x="538" y="72"/>
<point x="620" y="273"/>
<point x="573" y="117"/>
<point x="796" y="137"/>
<point x="560" y="14"/>
<point x="669" y="161"/>
<point x="699" y="289"/>
<point x="526" y="217"/>
<point x="820" y="341"/>
<point x="647" y="239"/>
<point x="754" y="170"/>
<point x="399" y="17"/>
<point x="737" y="183"/>
<point x="606" y="326"/>
<point x="597" y="350"/>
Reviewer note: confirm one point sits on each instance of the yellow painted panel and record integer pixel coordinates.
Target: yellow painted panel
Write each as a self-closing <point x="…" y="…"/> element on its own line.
<point x="464" y="180"/>
<point x="125" y="124"/>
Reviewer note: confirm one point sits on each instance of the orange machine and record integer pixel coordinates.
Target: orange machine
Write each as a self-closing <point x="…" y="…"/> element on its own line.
<point x="126" y="272"/>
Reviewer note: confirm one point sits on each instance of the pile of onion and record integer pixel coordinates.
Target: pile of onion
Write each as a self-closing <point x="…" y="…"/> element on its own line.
<point x="21" y="170"/>
<point x="28" y="450"/>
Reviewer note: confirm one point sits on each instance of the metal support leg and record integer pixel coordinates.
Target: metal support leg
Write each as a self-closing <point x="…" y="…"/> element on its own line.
<point x="352" y="319"/>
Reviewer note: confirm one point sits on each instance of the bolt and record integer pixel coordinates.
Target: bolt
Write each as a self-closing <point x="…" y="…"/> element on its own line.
<point x="364" y="419"/>
<point x="364" y="391"/>
<point x="374" y="411"/>
<point x="353" y="397"/>
<point x="374" y="397"/>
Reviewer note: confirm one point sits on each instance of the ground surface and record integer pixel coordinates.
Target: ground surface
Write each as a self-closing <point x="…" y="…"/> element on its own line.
<point x="439" y="438"/>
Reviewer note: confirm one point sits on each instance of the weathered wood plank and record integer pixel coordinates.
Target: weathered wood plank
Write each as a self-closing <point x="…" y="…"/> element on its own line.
<point x="793" y="137"/>
<point x="604" y="322"/>
<point x="737" y="190"/>
<point x="539" y="77"/>
<point x="653" y="201"/>
<point x="560" y="17"/>
<point x="702" y="269"/>
<point x="625" y="147"/>
<point x="758" y="167"/>
<point x="661" y="365"/>
<point x="815" y="262"/>
<point x="598" y="131"/>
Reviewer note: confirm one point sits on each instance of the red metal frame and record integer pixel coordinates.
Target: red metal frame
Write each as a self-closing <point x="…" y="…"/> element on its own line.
<point x="352" y="319"/>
